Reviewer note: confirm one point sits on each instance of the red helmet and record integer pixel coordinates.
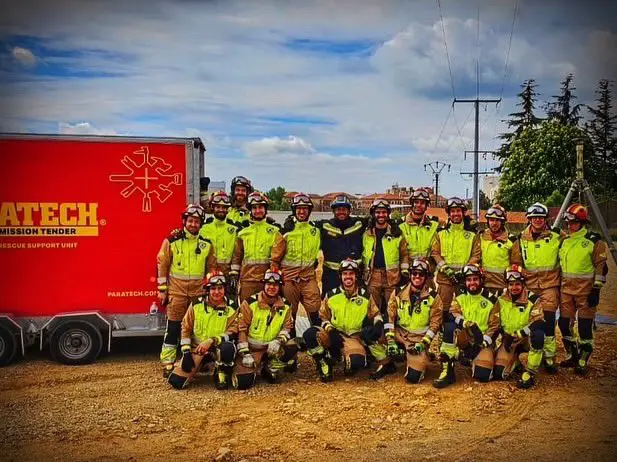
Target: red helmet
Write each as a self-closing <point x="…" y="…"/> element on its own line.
<point x="577" y="212"/>
<point x="514" y="273"/>
<point x="215" y="278"/>
<point x="257" y="198"/>
<point x="194" y="210"/>
<point x="219" y="198"/>
<point x="497" y="212"/>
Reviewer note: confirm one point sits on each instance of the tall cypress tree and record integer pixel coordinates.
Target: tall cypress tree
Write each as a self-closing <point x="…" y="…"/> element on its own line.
<point x="562" y="108"/>
<point x="601" y="129"/>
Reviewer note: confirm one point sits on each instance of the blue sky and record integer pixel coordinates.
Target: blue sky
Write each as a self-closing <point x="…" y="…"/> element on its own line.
<point x="312" y="95"/>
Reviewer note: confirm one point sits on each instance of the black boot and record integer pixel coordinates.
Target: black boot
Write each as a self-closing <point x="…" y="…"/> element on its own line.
<point x="323" y="366"/>
<point x="447" y="376"/>
<point x="383" y="370"/>
<point x="583" y="360"/>
<point x="572" y="354"/>
<point x="221" y="378"/>
<point x="527" y="380"/>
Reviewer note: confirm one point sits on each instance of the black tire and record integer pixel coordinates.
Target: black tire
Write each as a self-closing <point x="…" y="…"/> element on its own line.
<point x="75" y="343"/>
<point x="8" y="346"/>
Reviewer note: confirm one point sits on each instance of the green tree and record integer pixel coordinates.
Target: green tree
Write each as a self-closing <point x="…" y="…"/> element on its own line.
<point x="562" y="108"/>
<point x="519" y="121"/>
<point x="485" y="202"/>
<point x="555" y="199"/>
<point x="277" y="198"/>
<point x="601" y="129"/>
<point x="542" y="160"/>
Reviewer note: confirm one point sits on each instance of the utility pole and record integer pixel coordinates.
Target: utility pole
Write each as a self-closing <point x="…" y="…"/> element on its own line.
<point x="436" y="168"/>
<point x="476" y="187"/>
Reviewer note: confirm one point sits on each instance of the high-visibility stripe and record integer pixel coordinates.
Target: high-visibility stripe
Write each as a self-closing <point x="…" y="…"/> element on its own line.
<point x="161" y="280"/>
<point x="541" y="268"/>
<point x="256" y="261"/>
<point x="182" y="277"/>
<point x="578" y="276"/>
<point x="291" y="264"/>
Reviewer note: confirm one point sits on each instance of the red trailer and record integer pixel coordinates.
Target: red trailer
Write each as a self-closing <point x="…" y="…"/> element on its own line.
<point x="81" y="221"/>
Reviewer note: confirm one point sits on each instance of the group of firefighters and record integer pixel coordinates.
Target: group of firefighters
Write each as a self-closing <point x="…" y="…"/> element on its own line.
<point x="232" y="284"/>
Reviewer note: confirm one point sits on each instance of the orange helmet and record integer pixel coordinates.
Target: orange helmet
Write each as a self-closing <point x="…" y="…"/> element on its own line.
<point x="257" y="198"/>
<point x="577" y="212"/>
<point x="215" y="278"/>
<point x="514" y="273"/>
<point x="274" y="276"/>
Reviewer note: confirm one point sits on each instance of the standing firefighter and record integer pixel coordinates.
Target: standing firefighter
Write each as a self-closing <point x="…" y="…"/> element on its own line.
<point x="239" y="212"/>
<point x="496" y="247"/>
<point x="455" y="245"/>
<point x="414" y="317"/>
<point x="301" y="241"/>
<point x="256" y="246"/>
<point x="583" y="273"/>
<point x="208" y="332"/>
<point x="350" y="320"/>
<point x="384" y="254"/>
<point x="522" y="329"/>
<point x="475" y="324"/>
<point x="341" y="238"/>
<point x="537" y="251"/>
<point x="182" y="263"/>
<point x="264" y="335"/>
<point x="220" y="231"/>
<point x="419" y="229"/>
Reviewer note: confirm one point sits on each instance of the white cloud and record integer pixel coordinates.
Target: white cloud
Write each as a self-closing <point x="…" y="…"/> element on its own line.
<point x="83" y="128"/>
<point x="24" y="56"/>
<point x="275" y="146"/>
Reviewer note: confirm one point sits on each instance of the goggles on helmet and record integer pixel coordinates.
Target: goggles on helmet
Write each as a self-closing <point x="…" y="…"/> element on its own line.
<point x="216" y="279"/>
<point x="220" y="198"/>
<point x="496" y="212"/>
<point x="537" y="210"/>
<point x="274" y="277"/>
<point x="514" y="274"/>
<point x="349" y="265"/>
<point x="420" y="194"/>
<point x="419" y="266"/>
<point x="455" y="202"/>
<point x="301" y="199"/>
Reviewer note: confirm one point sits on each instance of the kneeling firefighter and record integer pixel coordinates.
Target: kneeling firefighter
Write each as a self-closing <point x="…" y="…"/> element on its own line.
<point x="522" y="329"/>
<point x="414" y="317"/>
<point x="264" y="335"/>
<point x="350" y="320"/>
<point x="208" y="332"/>
<point x="475" y="323"/>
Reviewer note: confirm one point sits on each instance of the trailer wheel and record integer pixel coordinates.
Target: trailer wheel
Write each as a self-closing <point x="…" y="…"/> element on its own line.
<point x="8" y="346"/>
<point x="75" y="342"/>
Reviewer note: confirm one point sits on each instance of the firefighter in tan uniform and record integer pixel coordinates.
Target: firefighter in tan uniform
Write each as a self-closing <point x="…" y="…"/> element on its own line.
<point x="583" y="273"/>
<point x="475" y="325"/>
<point x="301" y="244"/>
<point x="350" y="322"/>
<point x="209" y="329"/>
<point x="264" y="335"/>
<point x="455" y="245"/>
<point x="522" y="329"/>
<point x="256" y="246"/>
<point x="537" y="251"/>
<point x="239" y="212"/>
<point x="221" y="232"/>
<point x="420" y="229"/>
<point x="384" y="254"/>
<point x="496" y="248"/>
<point x="414" y="317"/>
<point x="182" y="263"/>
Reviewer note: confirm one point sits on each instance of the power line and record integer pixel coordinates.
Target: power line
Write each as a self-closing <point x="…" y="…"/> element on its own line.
<point x="478" y="53"/>
<point x="505" y="69"/>
<point x="442" y="128"/>
<point x="436" y="168"/>
<point x="445" y="43"/>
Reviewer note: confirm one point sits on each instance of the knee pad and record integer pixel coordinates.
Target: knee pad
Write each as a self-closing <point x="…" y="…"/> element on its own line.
<point x="290" y="350"/>
<point x="564" y="326"/>
<point x="310" y="337"/>
<point x="481" y="374"/>
<point x="177" y="381"/>
<point x="356" y="362"/>
<point x="413" y="376"/>
<point x="585" y="328"/>
<point x="243" y="381"/>
<point x="448" y="332"/>
<point x="226" y="353"/>
<point x="172" y="332"/>
<point x="499" y="373"/>
<point x="537" y="339"/>
<point x="549" y="323"/>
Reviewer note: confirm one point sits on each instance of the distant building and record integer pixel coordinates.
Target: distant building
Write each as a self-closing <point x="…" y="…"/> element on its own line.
<point x="216" y="186"/>
<point x="490" y="186"/>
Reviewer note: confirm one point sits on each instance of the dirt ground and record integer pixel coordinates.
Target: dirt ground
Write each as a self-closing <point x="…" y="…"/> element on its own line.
<point x="121" y="409"/>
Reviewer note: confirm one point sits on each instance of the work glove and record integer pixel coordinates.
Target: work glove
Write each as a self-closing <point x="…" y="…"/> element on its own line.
<point x="177" y="233"/>
<point x="422" y="345"/>
<point x="393" y="348"/>
<point x="507" y="340"/>
<point x="187" y="361"/>
<point x="162" y="297"/>
<point x="233" y="284"/>
<point x="478" y="337"/>
<point x="594" y="297"/>
<point x="248" y="360"/>
<point x="449" y="272"/>
<point x="274" y="347"/>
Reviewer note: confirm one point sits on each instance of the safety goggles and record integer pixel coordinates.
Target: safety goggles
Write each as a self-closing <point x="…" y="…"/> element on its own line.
<point x="513" y="276"/>
<point x="349" y="265"/>
<point x="240" y="180"/>
<point x="220" y="199"/>
<point x="380" y="203"/>
<point x="420" y="194"/>
<point x="217" y="280"/>
<point x="494" y="212"/>
<point x="194" y="210"/>
<point x="272" y="277"/>
<point x="570" y="216"/>
<point x="470" y="270"/>
<point x="301" y="199"/>
<point x="456" y="202"/>
<point x="419" y="265"/>
<point x="536" y="211"/>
